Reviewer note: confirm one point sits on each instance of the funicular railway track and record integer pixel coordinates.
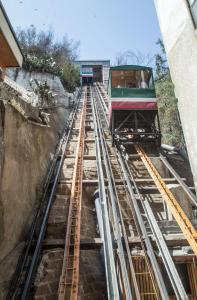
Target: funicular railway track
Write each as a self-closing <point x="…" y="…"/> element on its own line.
<point x="68" y="287"/>
<point x="54" y="200"/>
<point x="178" y="213"/>
<point x="122" y="199"/>
<point x="129" y="216"/>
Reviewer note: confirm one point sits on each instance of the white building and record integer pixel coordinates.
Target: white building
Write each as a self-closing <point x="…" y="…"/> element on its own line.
<point x="178" y="23"/>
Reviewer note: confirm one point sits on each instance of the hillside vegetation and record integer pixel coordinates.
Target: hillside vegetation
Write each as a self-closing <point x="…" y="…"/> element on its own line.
<point x="167" y="102"/>
<point x="42" y="53"/>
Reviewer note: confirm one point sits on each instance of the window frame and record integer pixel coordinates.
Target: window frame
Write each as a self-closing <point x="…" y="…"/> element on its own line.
<point x="150" y="86"/>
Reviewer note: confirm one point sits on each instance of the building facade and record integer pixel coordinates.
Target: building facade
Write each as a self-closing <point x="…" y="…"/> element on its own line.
<point x="94" y="70"/>
<point x="178" y="23"/>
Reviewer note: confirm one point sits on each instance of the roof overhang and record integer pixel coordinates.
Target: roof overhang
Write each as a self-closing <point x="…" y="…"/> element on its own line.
<point x="93" y="63"/>
<point x="130" y="67"/>
<point x="10" y="52"/>
<point x="87" y="75"/>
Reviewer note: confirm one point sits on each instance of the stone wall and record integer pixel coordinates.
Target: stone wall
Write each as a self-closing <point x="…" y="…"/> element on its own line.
<point x="92" y="283"/>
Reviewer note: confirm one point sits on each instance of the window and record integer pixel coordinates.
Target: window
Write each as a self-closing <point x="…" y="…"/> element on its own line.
<point x="193" y="9"/>
<point x="132" y="79"/>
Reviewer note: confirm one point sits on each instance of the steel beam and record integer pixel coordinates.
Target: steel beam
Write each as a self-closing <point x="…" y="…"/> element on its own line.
<point x="150" y="251"/>
<point x="187" y="189"/>
<point x="177" y="211"/>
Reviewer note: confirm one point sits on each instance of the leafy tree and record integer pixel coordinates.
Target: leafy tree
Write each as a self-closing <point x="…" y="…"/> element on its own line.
<point x="167" y="102"/>
<point x="70" y="76"/>
<point x="43" y="54"/>
<point x="162" y="68"/>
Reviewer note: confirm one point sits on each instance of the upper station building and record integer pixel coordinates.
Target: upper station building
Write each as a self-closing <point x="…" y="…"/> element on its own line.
<point x="10" y="52"/>
<point x="94" y="70"/>
<point x="178" y="23"/>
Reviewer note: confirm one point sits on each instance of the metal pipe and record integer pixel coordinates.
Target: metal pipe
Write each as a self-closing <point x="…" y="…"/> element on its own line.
<point x="110" y="269"/>
<point x="191" y="196"/>
<point x="99" y="216"/>
<point x="116" y="219"/>
<point x="35" y="256"/>
<point x="174" y="277"/>
<point x="169" y="148"/>
<point x="150" y="251"/>
<point x="118" y="222"/>
<point x="165" y="254"/>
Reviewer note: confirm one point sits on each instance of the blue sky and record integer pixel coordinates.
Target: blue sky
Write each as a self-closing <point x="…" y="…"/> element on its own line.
<point x="103" y="27"/>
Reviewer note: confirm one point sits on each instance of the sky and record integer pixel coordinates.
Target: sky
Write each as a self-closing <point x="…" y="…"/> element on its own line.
<point x="104" y="28"/>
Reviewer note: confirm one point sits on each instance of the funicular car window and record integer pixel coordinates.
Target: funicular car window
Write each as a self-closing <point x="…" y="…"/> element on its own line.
<point x="132" y="79"/>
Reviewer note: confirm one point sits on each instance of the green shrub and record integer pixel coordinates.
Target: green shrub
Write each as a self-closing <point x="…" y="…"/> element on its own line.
<point x="43" y="91"/>
<point x="43" y="54"/>
<point x="171" y="128"/>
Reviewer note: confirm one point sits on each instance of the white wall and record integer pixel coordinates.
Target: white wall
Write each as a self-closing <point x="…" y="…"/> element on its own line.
<point x="173" y="16"/>
<point x="180" y="40"/>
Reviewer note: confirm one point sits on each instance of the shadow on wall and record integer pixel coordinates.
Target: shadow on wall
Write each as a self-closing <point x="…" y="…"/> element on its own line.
<point x="26" y="150"/>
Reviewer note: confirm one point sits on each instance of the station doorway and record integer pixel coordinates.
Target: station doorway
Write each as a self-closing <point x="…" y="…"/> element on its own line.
<point x="97" y="74"/>
<point x="91" y="74"/>
<point x="86" y="80"/>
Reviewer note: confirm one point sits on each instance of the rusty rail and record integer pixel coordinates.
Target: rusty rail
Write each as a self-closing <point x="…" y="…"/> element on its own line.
<point x="69" y="280"/>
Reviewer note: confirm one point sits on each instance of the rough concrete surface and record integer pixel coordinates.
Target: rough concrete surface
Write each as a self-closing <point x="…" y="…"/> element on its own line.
<point x="180" y="40"/>
<point x="23" y="78"/>
<point x="26" y="151"/>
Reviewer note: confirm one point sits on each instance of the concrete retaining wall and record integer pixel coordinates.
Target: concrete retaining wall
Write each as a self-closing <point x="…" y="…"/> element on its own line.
<point x="180" y="40"/>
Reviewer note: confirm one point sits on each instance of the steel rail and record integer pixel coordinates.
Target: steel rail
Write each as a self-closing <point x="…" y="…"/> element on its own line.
<point x="34" y="260"/>
<point x="155" y="288"/>
<point x="167" y="259"/>
<point x="101" y="98"/>
<point x="165" y="254"/>
<point x="164" y="251"/>
<point x="184" y="223"/>
<point x="24" y="260"/>
<point x="126" y="242"/>
<point x="140" y="221"/>
<point x="110" y="268"/>
<point x="103" y="90"/>
<point x="103" y="93"/>
<point x="147" y="261"/>
<point x="116" y="214"/>
<point x="191" y="196"/>
<point x="70" y="267"/>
